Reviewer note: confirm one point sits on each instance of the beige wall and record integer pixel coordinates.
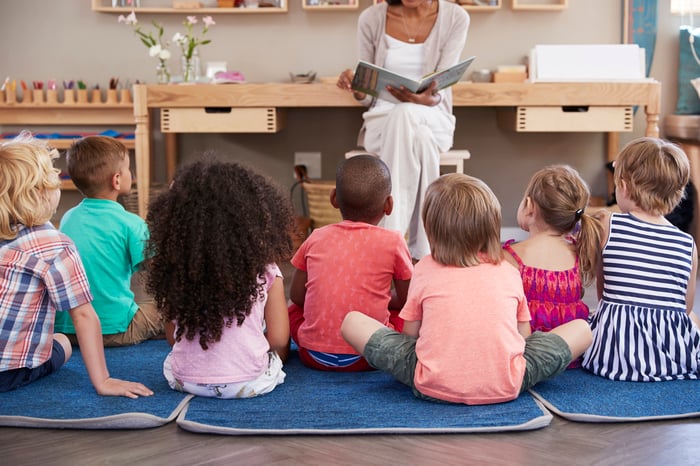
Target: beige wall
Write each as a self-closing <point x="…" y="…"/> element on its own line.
<point x="45" y="39"/>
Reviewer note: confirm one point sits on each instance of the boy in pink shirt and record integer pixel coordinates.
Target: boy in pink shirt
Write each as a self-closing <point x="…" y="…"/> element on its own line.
<point x="347" y="266"/>
<point x="466" y="336"/>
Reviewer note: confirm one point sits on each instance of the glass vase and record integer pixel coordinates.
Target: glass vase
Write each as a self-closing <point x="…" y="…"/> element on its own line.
<point x="190" y="68"/>
<point x="162" y="73"/>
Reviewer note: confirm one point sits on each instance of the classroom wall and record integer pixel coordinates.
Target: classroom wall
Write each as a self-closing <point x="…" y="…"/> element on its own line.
<point x="65" y="40"/>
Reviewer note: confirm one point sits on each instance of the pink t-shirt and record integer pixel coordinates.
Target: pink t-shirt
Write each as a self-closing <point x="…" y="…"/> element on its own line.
<point x="240" y="355"/>
<point x="350" y="267"/>
<point x="468" y="349"/>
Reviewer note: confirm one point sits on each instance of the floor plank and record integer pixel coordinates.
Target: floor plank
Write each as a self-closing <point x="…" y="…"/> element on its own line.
<point x="563" y="442"/>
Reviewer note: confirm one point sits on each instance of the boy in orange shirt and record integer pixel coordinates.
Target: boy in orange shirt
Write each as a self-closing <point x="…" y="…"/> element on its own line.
<point x="348" y="265"/>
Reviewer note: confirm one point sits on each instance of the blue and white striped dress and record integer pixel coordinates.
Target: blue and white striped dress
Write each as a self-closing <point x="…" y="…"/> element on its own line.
<point x="641" y="331"/>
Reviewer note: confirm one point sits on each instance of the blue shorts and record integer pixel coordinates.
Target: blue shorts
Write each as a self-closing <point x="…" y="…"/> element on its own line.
<point x="15" y="378"/>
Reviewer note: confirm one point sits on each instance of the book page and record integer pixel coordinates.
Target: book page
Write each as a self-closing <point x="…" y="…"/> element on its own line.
<point x="373" y="80"/>
<point x="446" y="77"/>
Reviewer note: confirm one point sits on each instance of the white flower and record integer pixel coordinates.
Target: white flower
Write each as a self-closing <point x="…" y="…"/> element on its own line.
<point x="155" y="50"/>
<point x="164" y="54"/>
<point x="179" y="38"/>
<point x="208" y="21"/>
<point x="192" y="20"/>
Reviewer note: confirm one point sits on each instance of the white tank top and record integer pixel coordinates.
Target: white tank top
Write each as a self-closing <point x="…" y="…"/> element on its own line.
<point x="402" y="58"/>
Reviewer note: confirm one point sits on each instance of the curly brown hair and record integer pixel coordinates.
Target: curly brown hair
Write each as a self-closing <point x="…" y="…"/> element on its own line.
<point x="212" y="235"/>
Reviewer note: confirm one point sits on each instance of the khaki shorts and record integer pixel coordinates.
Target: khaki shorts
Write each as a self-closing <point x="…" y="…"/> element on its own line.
<point x="145" y="325"/>
<point x="546" y="355"/>
<point x="395" y="354"/>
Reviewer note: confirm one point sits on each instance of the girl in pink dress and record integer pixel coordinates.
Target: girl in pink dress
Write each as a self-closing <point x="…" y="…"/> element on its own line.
<point x="560" y="256"/>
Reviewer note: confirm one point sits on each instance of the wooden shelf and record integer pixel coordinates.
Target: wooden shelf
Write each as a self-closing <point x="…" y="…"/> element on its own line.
<point x="68" y="185"/>
<point x="101" y="7"/>
<point x="539" y="5"/>
<point x="473" y="8"/>
<point x="63" y="114"/>
<point x="65" y="143"/>
<point x="348" y="6"/>
<point x="477" y="8"/>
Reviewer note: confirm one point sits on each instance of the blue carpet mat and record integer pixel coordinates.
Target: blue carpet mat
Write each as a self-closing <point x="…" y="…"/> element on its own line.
<point x="316" y="402"/>
<point x="578" y="395"/>
<point x="66" y="399"/>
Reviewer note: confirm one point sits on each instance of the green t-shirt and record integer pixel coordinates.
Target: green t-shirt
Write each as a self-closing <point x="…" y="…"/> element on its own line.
<point x="110" y="241"/>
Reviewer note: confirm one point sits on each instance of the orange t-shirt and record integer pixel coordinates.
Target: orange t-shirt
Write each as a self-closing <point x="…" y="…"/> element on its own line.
<point x="349" y="267"/>
<point x="468" y="349"/>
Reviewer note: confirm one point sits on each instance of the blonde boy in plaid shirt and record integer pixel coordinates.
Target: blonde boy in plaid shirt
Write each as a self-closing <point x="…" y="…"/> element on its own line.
<point x="40" y="274"/>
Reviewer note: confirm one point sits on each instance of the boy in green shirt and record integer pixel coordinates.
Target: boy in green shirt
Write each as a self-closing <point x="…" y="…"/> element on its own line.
<point x="110" y="241"/>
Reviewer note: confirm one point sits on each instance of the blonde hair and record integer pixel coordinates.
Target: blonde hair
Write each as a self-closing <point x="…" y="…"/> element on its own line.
<point x="27" y="175"/>
<point x="655" y="173"/>
<point x="92" y="161"/>
<point x="462" y="220"/>
<point x="561" y="197"/>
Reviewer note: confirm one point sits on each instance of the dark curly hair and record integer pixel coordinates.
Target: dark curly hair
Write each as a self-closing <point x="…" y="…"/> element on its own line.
<point x="212" y="235"/>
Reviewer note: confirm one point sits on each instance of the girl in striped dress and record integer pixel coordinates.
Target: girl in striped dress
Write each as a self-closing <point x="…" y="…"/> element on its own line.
<point x="644" y="328"/>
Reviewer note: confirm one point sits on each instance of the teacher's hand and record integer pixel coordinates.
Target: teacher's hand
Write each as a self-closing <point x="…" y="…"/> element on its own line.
<point x="428" y="97"/>
<point x="345" y="82"/>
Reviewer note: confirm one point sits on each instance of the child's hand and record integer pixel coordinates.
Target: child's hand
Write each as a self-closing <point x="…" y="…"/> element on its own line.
<point x="117" y="387"/>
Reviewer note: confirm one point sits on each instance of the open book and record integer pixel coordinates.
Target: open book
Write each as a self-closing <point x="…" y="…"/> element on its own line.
<point x="373" y="80"/>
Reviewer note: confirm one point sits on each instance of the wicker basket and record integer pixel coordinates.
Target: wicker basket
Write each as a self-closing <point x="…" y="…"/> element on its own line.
<point x="318" y="199"/>
<point x="131" y="200"/>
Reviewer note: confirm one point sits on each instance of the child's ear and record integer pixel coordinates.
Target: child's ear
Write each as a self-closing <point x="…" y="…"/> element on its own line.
<point x="388" y="205"/>
<point x="334" y="201"/>
<point x="116" y="181"/>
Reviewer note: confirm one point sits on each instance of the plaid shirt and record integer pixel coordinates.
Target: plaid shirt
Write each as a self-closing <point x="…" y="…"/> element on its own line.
<point x="40" y="273"/>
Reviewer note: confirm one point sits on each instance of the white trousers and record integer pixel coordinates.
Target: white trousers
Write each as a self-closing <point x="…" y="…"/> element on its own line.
<point x="409" y="139"/>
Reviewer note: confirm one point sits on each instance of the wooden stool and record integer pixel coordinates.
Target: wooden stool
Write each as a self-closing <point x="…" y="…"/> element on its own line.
<point x="451" y="158"/>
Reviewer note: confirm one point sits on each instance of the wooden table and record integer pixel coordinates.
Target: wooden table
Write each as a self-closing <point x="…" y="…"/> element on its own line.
<point x="646" y="94"/>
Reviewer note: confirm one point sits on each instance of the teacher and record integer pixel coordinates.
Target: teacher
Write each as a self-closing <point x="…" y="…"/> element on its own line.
<point x="407" y="130"/>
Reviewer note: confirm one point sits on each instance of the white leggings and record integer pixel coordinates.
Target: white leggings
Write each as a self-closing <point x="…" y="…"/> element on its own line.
<point x="265" y="383"/>
<point x="409" y="139"/>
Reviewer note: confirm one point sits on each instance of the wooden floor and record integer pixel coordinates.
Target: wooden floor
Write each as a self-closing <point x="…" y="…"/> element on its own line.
<point x="562" y="442"/>
<point x="667" y="443"/>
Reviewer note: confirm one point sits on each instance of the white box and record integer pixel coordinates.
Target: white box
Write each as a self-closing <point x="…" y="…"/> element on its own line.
<point x="587" y="63"/>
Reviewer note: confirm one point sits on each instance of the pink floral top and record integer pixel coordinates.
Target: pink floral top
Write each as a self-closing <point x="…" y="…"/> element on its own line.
<point x="554" y="296"/>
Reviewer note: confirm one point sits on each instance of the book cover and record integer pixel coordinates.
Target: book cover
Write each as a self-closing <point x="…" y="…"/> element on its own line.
<point x="373" y="80"/>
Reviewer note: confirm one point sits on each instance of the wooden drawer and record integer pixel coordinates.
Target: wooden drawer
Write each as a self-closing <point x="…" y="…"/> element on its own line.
<point x="576" y="119"/>
<point x="221" y="120"/>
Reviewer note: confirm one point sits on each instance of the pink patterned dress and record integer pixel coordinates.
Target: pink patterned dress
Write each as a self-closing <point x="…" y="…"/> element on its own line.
<point x="554" y="296"/>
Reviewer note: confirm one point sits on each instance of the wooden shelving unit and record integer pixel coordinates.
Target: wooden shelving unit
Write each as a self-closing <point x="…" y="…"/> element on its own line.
<point x="346" y="5"/>
<point x="539" y="5"/>
<point x="82" y="116"/>
<point x="103" y="6"/>
<point x="476" y="7"/>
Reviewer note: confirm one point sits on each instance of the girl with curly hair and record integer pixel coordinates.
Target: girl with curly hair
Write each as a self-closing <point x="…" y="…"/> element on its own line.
<point x="216" y="236"/>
